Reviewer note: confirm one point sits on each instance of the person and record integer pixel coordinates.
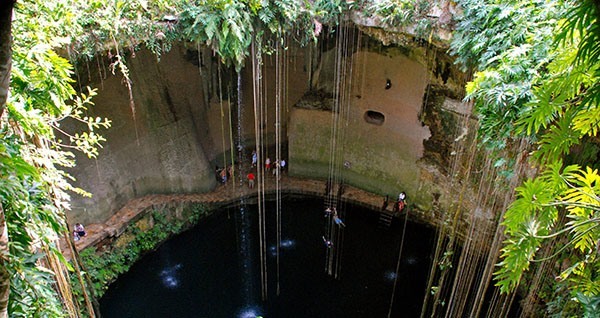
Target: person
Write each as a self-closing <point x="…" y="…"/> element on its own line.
<point x="386" y="201"/>
<point x="250" y="180"/>
<point x="254" y="158"/>
<point x="328" y="243"/>
<point x="327" y="212"/>
<point x="401" y="201"/>
<point x="401" y="196"/>
<point x="401" y="205"/>
<point x="218" y="173"/>
<point x="223" y="175"/>
<point x="282" y="165"/>
<point x="275" y="167"/>
<point x="230" y="171"/>
<point x="268" y="164"/>
<point x="336" y="219"/>
<point x="79" y="231"/>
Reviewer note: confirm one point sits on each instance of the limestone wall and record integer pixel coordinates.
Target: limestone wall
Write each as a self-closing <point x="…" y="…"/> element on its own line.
<point x="153" y="147"/>
<point x="407" y="147"/>
<point x="382" y="157"/>
<point x="179" y="129"/>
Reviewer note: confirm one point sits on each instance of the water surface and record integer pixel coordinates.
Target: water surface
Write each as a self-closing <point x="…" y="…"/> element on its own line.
<point x="213" y="270"/>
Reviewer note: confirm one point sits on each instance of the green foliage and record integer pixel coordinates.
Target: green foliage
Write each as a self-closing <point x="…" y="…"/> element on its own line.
<point x="224" y="25"/>
<point x="591" y="305"/>
<point x="538" y="69"/>
<point x="25" y="205"/>
<point x="98" y="26"/>
<point x="228" y="26"/>
<point x="510" y="43"/>
<point x="405" y="13"/>
<point x="33" y="189"/>
<point x="329" y="11"/>
<point x="104" y="267"/>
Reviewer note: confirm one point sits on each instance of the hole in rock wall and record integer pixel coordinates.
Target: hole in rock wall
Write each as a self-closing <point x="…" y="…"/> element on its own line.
<point x="374" y="117"/>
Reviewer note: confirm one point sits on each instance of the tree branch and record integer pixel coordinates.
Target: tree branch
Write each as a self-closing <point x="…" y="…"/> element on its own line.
<point x="6" y="8"/>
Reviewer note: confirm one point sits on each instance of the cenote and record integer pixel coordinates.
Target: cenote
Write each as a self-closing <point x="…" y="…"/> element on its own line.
<point x="213" y="270"/>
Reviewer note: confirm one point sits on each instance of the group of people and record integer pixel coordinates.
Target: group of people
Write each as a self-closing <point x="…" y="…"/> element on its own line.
<point x="224" y="174"/>
<point x="332" y="212"/>
<point x="274" y="167"/>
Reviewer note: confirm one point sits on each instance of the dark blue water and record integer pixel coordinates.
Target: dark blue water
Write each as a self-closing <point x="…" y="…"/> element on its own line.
<point x="210" y="271"/>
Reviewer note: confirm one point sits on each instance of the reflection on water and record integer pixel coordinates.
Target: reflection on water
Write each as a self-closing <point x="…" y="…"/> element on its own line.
<point x="412" y="260"/>
<point x="212" y="270"/>
<point x="390" y="276"/>
<point x="169" y="276"/>
<point x="286" y="244"/>
<point x="251" y="312"/>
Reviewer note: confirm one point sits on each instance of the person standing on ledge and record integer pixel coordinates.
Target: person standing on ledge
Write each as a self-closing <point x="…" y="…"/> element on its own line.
<point x="282" y="166"/>
<point x="386" y="201"/>
<point x="254" y="158"/>
<point x="250" y="177"/>
<point x="401" y="201"/>
<point x="79" y="231"/>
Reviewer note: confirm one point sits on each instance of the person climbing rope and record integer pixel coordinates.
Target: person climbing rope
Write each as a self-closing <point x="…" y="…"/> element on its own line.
<point x="328" y="243"/>
<point x="336" y="219"/>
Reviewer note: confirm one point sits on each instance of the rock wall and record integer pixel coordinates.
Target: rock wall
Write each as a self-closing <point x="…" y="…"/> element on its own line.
<point x="154" y="146"/>
<point x="382" y="157"/>
<point x="399" y="116"/>
<point x="399" y="120"/>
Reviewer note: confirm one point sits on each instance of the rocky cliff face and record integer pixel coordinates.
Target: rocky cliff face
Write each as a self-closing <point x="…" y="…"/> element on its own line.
<point x="399" y="113"/>
<point x="398" y="117"/>
<point x="160" y="145"/>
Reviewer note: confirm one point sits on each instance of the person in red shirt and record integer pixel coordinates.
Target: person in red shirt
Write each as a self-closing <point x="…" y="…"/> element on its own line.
<point x="250" y="177"/>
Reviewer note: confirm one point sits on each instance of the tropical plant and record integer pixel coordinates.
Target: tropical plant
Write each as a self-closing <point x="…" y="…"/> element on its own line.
<point x="404" y="13"/>
<point x="33" y="188"/>
<point x="508" y="43"/>
<point x="538" y="77"/>
<point x="35" y="145"/>
<point x="228" y="26"/>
